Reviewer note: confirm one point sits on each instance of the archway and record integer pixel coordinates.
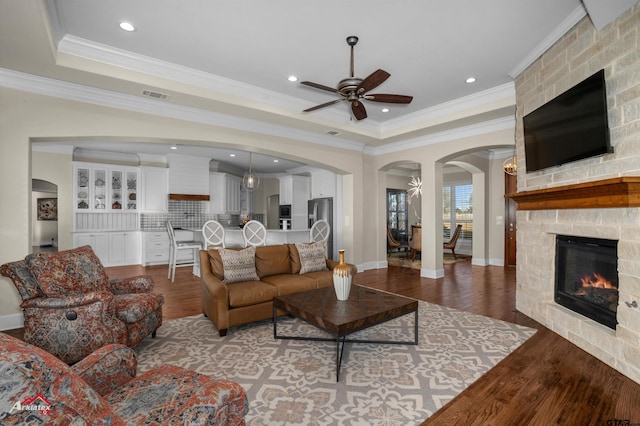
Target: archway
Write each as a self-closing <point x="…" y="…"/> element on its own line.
<point x="44" y="217"/>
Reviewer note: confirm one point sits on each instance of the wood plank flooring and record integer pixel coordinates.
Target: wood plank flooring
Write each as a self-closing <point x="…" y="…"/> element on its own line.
<point x="547" y="381"/>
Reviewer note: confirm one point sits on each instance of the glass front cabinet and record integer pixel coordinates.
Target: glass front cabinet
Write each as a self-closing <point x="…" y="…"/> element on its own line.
<point x="100" y="188"/>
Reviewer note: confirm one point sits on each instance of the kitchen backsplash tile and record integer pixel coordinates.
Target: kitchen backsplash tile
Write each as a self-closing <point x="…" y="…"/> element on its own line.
<point x="185" y="214"/>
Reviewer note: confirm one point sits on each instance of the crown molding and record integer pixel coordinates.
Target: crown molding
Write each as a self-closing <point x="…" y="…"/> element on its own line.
<point x="76" y="92"/>
<point x="503" y="92"/>
<point x="490" y="126"/>
<point x="562" y="29"/>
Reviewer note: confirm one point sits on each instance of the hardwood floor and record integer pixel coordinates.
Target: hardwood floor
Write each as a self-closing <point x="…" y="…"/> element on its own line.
<point x="547" y="381"/>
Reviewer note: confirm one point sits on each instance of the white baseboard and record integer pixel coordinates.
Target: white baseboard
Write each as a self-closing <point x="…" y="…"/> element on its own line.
<point x="11" y="321"/>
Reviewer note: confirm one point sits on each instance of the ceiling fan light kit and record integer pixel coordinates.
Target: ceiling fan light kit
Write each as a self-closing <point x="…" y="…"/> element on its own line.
<point x="354" y="89"/>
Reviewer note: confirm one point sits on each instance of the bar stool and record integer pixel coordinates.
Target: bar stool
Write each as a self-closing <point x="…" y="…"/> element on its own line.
<point x="181" y="245"/>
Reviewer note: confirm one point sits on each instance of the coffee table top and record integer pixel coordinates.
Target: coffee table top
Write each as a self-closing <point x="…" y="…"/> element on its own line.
<point x="364" y="308"/>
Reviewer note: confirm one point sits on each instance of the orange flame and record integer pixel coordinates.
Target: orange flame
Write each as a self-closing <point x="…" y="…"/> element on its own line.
<point x="596" y="280"/>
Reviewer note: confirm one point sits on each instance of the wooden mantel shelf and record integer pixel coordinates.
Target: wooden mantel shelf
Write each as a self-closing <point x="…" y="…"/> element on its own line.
<point x="617" y="192"/>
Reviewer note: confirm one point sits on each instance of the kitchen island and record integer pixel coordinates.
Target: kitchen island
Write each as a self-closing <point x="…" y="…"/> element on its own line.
<point x="233" y="236"/>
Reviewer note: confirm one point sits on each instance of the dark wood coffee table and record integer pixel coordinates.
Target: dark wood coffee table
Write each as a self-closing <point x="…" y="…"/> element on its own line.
<point x="365" y="308"/>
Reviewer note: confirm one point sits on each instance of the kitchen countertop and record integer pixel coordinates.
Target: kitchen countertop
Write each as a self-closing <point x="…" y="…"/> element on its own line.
<point x="235" y="238"/>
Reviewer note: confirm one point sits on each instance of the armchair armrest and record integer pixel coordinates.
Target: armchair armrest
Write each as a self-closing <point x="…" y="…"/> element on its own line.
<point x="139" y="284"/>
<point x="108" y="368"/>
<point x="73" y="301"/>
<point x="214" y="295"/>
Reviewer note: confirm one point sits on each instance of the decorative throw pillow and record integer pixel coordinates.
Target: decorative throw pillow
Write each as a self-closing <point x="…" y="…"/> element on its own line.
<point x="239" y="265"/>
<point x="74" y="271"/>
<point x="312" y="256"/>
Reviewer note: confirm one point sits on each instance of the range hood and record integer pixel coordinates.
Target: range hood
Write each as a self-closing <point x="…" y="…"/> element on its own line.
<point x="188" y="197"/>
<point x="188" y="177"/>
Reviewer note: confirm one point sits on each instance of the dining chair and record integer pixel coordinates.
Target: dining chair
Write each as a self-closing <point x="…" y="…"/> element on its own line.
<point x="213" y="234"/>
<point x="176" y="246"/>
<point x="254" y="233"/>
<point x="319" y="231"/>
<point x="451" y="244"/>
<point x="393" y="244"/>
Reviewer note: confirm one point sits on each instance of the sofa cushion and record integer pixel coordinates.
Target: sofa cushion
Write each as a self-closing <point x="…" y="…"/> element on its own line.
<point x="289" y="283"/>
<point x="68" y="272"/>
<point x="216" y="262"/>
<point x="272" y="260"/>
<point x="322" y="278"/>
<point x="312" y="256"/>
<point x="239" y="265"/>
<point x="249" y="293"/>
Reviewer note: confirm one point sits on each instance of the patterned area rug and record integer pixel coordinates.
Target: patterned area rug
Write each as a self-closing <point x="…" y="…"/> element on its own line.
<point x="293" y="382"/>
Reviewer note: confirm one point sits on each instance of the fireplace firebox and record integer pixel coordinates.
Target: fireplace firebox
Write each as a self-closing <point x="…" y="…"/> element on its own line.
<point x="587" y="277"/>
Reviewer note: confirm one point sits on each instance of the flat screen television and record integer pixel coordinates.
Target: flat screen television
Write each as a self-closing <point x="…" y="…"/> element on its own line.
<point x="571" y="127"/>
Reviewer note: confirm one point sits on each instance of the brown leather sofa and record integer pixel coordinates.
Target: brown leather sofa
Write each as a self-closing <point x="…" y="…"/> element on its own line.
<point x="277" y="266"/>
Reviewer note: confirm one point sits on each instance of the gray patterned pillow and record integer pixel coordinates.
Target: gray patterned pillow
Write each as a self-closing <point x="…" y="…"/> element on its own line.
<point x="239" y="265"/>
<point x="312" y="256"/>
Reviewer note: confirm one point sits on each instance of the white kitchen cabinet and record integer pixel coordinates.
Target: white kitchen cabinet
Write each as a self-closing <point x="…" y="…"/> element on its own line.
<point x="286" y="190"/>
<point x="294" y="190"/>
<point x="112" y="248"/>
<point x="124" y="248"/>
<point x="323" y="184"/>
<point x="105" y="188"/>
<point x="156" y="247"/>
<point x="224" y="193"/>
<point x="155" y="189"/>
<point x="99" y="242"/>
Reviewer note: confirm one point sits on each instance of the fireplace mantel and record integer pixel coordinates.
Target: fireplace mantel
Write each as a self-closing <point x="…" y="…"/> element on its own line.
<point x="617" y="192"/>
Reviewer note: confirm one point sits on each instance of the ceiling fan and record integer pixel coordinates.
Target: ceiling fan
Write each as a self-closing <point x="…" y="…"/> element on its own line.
<point x="354" y="89"/>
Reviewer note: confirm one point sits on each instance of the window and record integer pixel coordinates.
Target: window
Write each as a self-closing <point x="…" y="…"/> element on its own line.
<point x="457" y="208"/>
<point x="397" y="217"/>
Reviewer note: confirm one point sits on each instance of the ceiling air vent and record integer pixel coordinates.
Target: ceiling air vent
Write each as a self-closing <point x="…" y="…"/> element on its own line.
<point x="155" y="95"/>
<point x="333" y="133"/>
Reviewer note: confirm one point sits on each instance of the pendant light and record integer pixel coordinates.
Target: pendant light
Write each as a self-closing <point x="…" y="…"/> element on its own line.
<point x="250" y="179"/>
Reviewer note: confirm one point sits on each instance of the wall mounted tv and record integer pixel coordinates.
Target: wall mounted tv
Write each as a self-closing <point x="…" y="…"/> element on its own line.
<point x="570" y="127"/>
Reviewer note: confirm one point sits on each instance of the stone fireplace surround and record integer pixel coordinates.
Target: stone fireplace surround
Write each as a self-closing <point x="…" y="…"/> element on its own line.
<point x="607" y="209"/>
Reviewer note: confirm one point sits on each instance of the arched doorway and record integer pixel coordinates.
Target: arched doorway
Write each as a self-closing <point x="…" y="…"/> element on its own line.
<point x="44" y="217"/>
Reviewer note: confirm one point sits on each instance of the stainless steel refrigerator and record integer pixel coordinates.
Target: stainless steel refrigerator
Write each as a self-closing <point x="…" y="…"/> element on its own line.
<point x="319" y="209"/>
<point x="273" y="204"/>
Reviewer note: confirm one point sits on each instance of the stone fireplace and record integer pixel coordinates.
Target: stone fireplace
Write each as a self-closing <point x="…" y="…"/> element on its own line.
<point x="596" y="198"/>
<point x="581" y="212"/>
<point x="586" y="277"/>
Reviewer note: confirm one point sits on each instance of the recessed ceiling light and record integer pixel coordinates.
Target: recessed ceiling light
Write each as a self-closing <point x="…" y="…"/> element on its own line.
<point x="292" y="78"/>
<point x="385" y="109"/>
<point x="174" y="147"/>
<point x="127" y="26"/>
<point x="232" y="155"/>
<point x="470" y="80"/>
<point x="276" y="161"/>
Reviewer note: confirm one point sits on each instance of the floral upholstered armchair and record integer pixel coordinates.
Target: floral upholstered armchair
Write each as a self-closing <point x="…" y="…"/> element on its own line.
<point x="38" y="388"/>
<point x="71" y="308"/>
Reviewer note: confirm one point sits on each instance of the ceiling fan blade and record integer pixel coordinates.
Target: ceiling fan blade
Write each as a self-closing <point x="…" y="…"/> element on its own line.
<point x="374" y="79"/>
<point x="359" y="112"/>
<point x="390" y="99"/>
<point x="326" y="104"/>
<point x="319" y="86"/>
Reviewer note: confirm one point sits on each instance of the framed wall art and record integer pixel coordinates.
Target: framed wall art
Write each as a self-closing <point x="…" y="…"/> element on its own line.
<point x="47" y="209"/>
